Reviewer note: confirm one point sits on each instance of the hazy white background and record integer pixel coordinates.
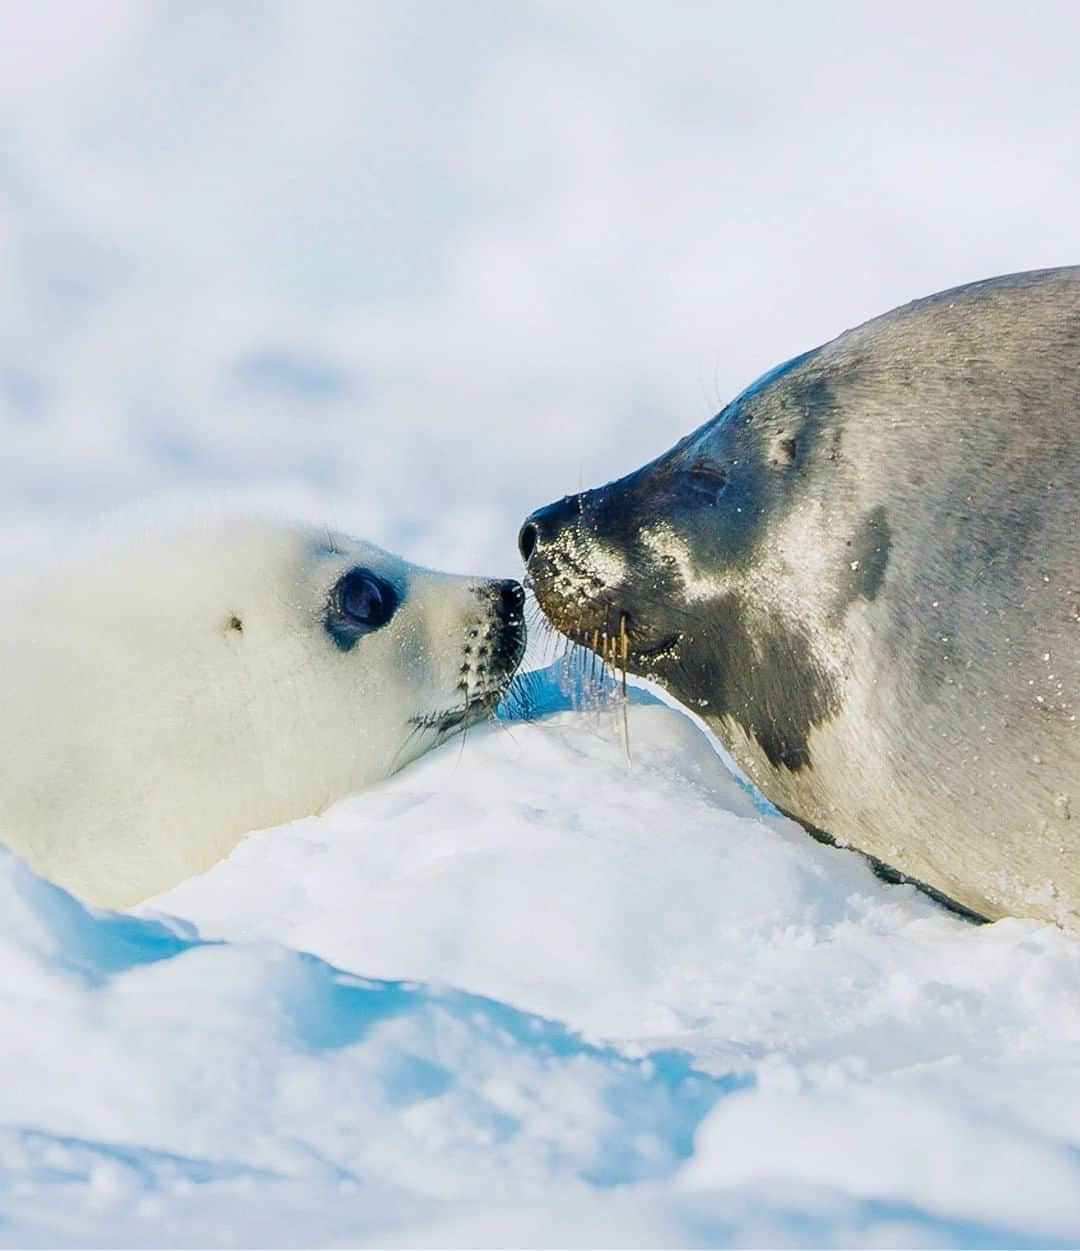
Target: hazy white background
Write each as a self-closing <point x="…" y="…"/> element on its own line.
<point x="416" y="268"/>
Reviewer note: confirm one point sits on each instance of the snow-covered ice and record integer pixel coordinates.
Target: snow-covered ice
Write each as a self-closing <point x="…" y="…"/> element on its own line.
<point x="179" y="1090"/>
<point x="534" y="991"/>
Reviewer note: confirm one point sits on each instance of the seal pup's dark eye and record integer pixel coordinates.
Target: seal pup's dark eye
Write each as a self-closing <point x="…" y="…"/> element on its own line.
<point x="365" y="599"/>
<point x="359" y="603"/>
<point x="707" y="480"/>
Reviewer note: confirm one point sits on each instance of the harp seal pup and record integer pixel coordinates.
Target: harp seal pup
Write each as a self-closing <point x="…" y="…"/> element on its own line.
<point x="166" y="696"/>
<point x="865" y="574"/>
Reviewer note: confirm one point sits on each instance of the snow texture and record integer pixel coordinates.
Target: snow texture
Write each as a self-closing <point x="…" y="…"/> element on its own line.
<point x="412" y="270"/>
<point x="531" y="992"/>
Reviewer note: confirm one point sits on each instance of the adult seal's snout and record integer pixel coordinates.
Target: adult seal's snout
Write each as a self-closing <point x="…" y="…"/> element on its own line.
<point x="865" y="573"/>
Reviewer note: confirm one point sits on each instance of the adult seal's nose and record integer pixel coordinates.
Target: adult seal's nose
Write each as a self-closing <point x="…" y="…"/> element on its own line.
<point x="543" y="525"/>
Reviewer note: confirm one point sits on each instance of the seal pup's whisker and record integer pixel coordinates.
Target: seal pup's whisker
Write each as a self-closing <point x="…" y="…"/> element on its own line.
<point x="404" y="746"/>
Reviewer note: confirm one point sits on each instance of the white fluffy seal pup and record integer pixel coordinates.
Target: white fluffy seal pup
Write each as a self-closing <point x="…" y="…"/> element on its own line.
<point x="168" y="696"/>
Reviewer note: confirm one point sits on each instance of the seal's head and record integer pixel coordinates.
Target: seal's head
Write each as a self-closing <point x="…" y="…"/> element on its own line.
<point x="190" y="686"/>
<point x="703" y="570"/>
<point x="439" y="649"/>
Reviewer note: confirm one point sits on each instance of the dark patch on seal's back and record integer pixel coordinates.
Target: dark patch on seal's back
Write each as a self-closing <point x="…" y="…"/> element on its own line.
<point x="764" y="675"/>
<point x="866" y="559"/>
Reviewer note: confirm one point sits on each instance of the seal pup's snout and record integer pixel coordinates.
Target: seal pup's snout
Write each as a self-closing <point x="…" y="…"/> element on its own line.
<point x="503" y="644"/>
<point x="544" y="526"/>
<point x="492" y="643"/>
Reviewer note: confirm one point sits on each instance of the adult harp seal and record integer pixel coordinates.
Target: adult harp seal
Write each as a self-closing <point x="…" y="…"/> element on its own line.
<point x="865" y="574"/>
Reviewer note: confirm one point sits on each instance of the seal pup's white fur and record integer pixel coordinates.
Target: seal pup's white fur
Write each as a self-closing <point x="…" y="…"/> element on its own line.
<point x="165" y="696"/>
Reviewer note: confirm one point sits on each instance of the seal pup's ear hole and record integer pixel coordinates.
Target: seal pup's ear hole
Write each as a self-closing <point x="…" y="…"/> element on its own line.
<point x="234" y="623"/>
<point x="359" y="602"/>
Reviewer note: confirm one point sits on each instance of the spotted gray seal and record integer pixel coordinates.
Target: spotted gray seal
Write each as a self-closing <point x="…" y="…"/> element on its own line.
<point x="865" y="574"/>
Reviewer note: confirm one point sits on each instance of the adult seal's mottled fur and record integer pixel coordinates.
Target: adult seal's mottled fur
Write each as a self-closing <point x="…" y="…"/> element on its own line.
<point x="165" y="696"/>
<point x="865" y="574"/>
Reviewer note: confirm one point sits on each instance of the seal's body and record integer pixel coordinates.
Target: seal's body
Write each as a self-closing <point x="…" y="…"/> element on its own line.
<point x="167" y="697"/>
<point x="865" y="574"/>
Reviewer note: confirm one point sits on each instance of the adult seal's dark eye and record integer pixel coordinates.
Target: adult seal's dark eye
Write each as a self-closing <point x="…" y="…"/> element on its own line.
<point x="359" y="603"/>
<point x="707" y="481"/>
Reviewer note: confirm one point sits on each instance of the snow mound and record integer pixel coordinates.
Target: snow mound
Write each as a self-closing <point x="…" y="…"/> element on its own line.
<point x="762" y="1043"/>
<point x="154" y="1064"/>
<point x="902" y="1064"/>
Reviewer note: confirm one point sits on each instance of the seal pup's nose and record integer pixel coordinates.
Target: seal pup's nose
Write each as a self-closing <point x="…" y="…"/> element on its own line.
<point x="510" y="596"/>
<point x="544" y="524"/>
